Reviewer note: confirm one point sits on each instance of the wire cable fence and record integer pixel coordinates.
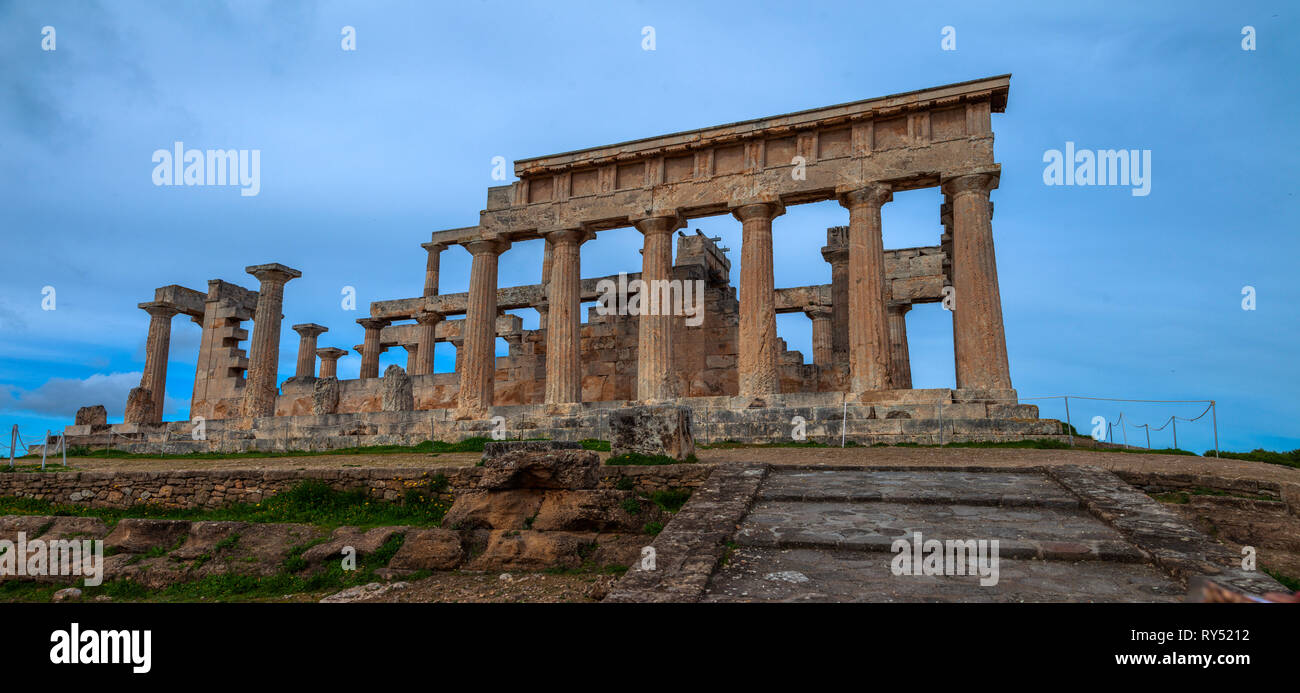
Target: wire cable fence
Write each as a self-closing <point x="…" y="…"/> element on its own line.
<point x="16" y="440"/>
<point x="710" y="425"/>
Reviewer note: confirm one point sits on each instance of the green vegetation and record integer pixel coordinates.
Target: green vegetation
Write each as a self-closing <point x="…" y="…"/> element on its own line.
<point x="1288" y="459"/>
<point x="595" y="444"/>
<point x="292" y="579"/>
<point x="653" y="528"/>
<point x="1287" y="581"/>
<point x="638" y="458"/>
<point x="310" y="502"/>
<point x="672" y="499"/>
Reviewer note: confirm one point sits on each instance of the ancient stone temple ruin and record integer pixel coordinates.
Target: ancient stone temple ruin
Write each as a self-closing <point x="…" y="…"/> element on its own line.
<point x="725" y="361"/>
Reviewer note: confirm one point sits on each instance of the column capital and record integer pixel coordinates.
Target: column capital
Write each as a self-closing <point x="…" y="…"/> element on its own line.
<point x="745" y="211"/>
<point x="873" y="194"/>
<point x="428" y="317"/>
<point x="310" y="329"/>
<point x="374" y="323"/>
<point x="160" y="309"/>
<point x="835" y="254"/>
<point x="899" y="307"/>
<point x="273" y="272"/>
<point x="331" y="352"/>
<point x="577" y="235"/>
<point x="971" y="183"/>
<point x="487" y="246"/>
<point x="435" y="247"/>
<point x="817" y="312"/>
<point x="652" y="225"/>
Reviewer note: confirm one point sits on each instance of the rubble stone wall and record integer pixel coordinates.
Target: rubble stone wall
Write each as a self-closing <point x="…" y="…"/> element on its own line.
<point x="210" y="489"/>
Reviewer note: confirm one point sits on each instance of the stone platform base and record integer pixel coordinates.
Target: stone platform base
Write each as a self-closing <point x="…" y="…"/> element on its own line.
<point x="891" y="417"/>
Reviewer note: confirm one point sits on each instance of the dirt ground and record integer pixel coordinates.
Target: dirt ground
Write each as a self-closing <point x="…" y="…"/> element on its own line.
<point x="514" y="588"/>
<point x="992" y="457"/>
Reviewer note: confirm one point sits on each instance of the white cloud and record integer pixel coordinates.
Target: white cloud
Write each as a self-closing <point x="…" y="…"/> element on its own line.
<point x="63" y="396"/>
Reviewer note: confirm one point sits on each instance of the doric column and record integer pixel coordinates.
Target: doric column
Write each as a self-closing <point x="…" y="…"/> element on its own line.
<point x="836" y="252"/>
<point x="156" y="348"/>
<point x="823" y="327"/>
<point x="370" y="346"/>
<point x="329" y="361"/>
<point x="979" y="340"/>
<point x="427" y="332"/>
<point x="654" y="372"/>
<point x="478" y="365"/>
<point x="900" y="360"/>
<point x="758" y="346"/>
<point x="264" y="355"/>
<point x="563" y="370"/>
<point x="307" y="334"/>
<point x="543" y="309"/>
<point x="412" y="357"/>
<point x="868" y="330"/>
<point x="432" y="267"/>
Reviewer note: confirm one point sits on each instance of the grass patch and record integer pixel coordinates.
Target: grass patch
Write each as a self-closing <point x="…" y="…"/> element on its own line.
<point x="1287" y="581"/>
<point x="653" y="528"/>
<point x="1287" y="459"/>
<point x="637" y="458"/>
<point x="595" y="444"/>
<point x="310" y="502"/>
<point x="672" y="499"/>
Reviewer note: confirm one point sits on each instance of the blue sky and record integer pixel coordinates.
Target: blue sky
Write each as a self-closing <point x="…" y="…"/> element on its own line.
<point x="364" y="153"/>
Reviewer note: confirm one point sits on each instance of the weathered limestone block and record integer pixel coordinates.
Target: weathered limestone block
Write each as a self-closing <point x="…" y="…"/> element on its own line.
<point x="652" y="430"/>
<point x="139" y="406"/>
<point x="530" y="550"/>
<point x="497" y="448"/>
<point x="365" y="543"/>
<point x="594" y="511"/>
<point x="92" y="416"/>
<point x="134" y="535"/>
<point x="75" y="527"/>
<point x="561" y="469"/>
<point x="325" y="396"/>
<point x="509" y="509"/>
<point x="398" y="395"/>
<point x="429" y="549"/>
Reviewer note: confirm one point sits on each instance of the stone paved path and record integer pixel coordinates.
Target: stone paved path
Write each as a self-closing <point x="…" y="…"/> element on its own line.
<point x="826" y="535"/>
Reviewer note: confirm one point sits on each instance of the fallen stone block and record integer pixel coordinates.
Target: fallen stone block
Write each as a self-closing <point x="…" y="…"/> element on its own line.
<point x="508" y="509"/>
<point x="135" y="535"/>
<point x="560" y="469"/>
<point x="497" y="448"/>
<point x="428" y="549"/>
<point x="652" y="430"/>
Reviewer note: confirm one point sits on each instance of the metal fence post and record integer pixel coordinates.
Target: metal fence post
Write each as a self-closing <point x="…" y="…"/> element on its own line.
<point x="45" y="447"/>
<point x="13" y="445"/>
<point x="940" y="423"/>
<point x="1069" y="426"/>
<point x="1214" y="414"/>
<point x="1174" y="422"/>
<point x="844" y="422"/>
